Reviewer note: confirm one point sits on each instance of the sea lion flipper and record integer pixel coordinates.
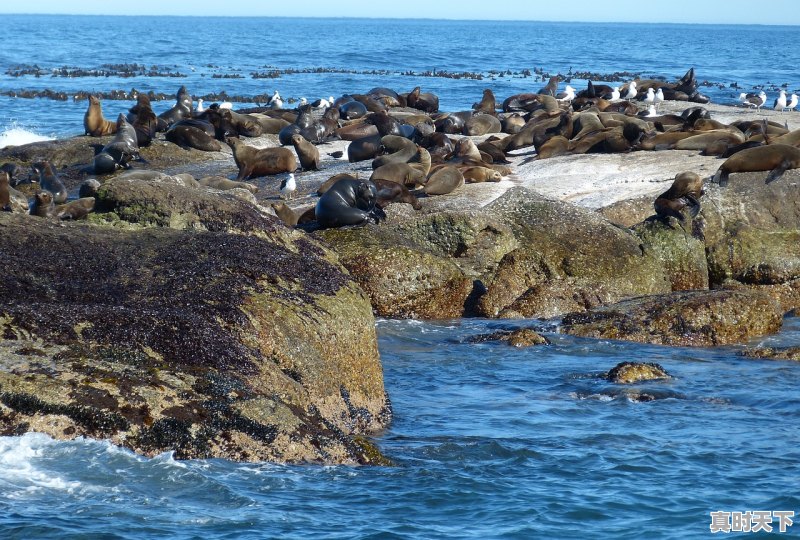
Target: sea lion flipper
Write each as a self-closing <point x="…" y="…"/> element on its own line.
<point x="778" y="171"/>
<point x="693" y="205"/>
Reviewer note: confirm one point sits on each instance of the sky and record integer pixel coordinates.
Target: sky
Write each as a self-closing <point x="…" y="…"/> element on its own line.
<point x="658" y="11"/>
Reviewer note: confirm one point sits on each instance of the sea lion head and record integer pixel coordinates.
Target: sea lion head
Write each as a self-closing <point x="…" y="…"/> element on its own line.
<point x="104" y="163"/>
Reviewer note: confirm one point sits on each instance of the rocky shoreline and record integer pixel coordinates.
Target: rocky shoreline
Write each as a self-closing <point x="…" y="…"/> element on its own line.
<point x="180" y="317"/>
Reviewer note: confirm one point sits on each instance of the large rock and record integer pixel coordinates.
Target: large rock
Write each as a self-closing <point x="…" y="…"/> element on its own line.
<point x="679" y="248"/>
<point x="242" y="346"/>
<point x="569" y="259"/>
<point x="696" y="318"/>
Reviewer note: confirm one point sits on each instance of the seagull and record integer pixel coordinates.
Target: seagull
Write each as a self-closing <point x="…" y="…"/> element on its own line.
<point x="615" y="94"/>
<point x="276" y="98"/>
<point x="753" y="100"/>
<point x="650" y="98"/>
<point x="780" y="101"/>
<point x="659" y="97"/>
<point x="288" y="185"/>
<point x="226" y="105"/>
<point x="651" y="111"/>
<point x="200" y="107"/>
<point x="631" y="90"/>
<point x="322" y="104"/>
<point x="303" y="101"/>
<point x="567" y="95"/>
<point x="792" y="103"/>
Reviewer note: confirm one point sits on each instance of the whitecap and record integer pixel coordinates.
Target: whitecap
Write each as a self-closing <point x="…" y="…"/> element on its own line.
<point x="19" y="470"/>
<point x="15" y="135"/>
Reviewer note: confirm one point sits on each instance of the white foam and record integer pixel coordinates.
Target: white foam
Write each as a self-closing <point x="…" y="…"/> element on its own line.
<point x="19" y="473"/>
<point x="15" y="135"/>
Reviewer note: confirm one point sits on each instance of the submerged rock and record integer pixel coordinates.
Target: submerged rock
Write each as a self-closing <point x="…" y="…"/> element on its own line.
<point x="773" y="353"/>
<point x="522" y="337"/>
<point x="632" y="372"/>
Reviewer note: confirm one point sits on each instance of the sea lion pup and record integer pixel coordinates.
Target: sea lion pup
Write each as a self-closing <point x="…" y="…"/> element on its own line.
<point x="684" y="194"/>
<point x="776" y="158"/>
<point x="49" y="181"/>
<point x="120" y="151"/>
<point x="193" y="133"/>
<point x="75" y="210"/>
<point x="182" y="109"/>
<point x="285" y="214"/>
<point x="478" y="174"/>
<point x="42" y="205"/>
<point x="5" y="192"/>
<point x="93" y="122"/>
<point x="255" y="162"/>
<point x="391" y="192"/>
<point x="444" y="180"/>
<point x="306" y="152"/>
<point x="424" y="101"/>
<point x="224" y="184"/>
<point x="143" y="120"/>
<point x="348" y="202"/>
<point x="487" y="104"/>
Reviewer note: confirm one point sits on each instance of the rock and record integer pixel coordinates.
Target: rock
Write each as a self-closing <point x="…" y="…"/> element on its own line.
<point x="629" y="212"/>
<point x="680" y="253"/>
<point x="249" y="346"/>
<point x="633" y="372"/>
<point x="773" y="353"/>
<point x="695" y="318"/>
<point x="569" y="259"/>
<point x="522" y="337"/>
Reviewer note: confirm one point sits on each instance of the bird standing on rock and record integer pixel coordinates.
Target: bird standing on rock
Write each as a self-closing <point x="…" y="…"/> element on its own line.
<point x="753" y="100"/>
<point x="631" y="91"/>
<point x="275" y="102"/>
<point x="792" y="103"/>
<point x="780" y="101"/>
<point x="650" y="98"/>
<point x="659" y="97"/>
<point x="288" y="186"/>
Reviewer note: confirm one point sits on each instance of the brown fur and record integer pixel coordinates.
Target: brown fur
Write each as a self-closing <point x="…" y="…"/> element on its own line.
<point x="401" y="173"/>
<point x="285" y="214"/>
<point x="684" y="193"/>
<point x="444" y="180"/>
<point x="77" y="209"/>
<point x="776" y="158"/>
<point x="43" y="205"/>
<point x="474" y="175"/>
<point x="390" y="192"/>
<point x="5" y="192"/>
<point x="255" y="162"/>
<point x="224" y="184"/>
<point x="93" y="122"/>
<point x="306" y="152"/>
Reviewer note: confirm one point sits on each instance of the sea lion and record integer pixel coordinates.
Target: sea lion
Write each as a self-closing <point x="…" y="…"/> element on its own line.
<point x="269" y="125"/>
<point x="285" y="135"/>
<point x="402" y="173"/>
<point x="352" y="110"/>
<point x="487" y="104"/>
<point x="387" y="125"/>
<point x="402" y="151"/>
<point x="120" y="151"/>
<point x="224" y="184"/>
<point x="390" y="192"/>
<point x="444" y="180"/>
<point x="306" y="152"/>
<point x="512" y="123"/>
<point x="93" y="122"/>
<point x="683" y="194"/>
<point x="424" y="101"/>
<point x="450" y="123"/>
<point x="42" y="204"/>
<point x="13" y="171"/>
<point x="5" y="192"/>
<point x="255" y="162"/>
<point x="478" y="174"/>
<point x="776" y="158"/>
<point x="88" y="188"/>
<point x="49" y="181"/>
<point x="241" y="124"/>
<point x="703" y="139"/>
<point x="190" y="136"/>
<point x="182" y="109"/>
<point x="75" y="210"/>
<point x="348" y="202"/>
<point x="551" y="87"/>
<point x="497" y="155"/>
<point x="143" y="120"/>
<point x="352" y="132"/>
<point x="285" y="214"/>
<point x="482" y="124"/>
<point x="326" y="185"/>
<point x="364" y="148"/>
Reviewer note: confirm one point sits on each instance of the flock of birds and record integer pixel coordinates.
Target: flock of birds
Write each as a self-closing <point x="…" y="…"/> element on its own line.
<point x="756" y="101"/>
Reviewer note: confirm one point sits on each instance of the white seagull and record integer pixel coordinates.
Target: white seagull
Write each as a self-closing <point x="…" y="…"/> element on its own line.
<point x="226" y="105"/>
<point x="615" y="94"/>
<point x="567" y="95"/>
<point x="200" y="107"/>
<point x="780" y="101"/>
<point x="659" y="97"/>
<point x="753" y="100"/>
<point x="650" y="98"/>
<point x="792" y="103"/>
<point x="631" y="90"/>
<point x="288" y="185"/>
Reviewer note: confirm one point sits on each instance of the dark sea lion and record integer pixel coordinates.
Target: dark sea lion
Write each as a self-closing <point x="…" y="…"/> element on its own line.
<point x="188" y="136"/>
<point x="483" y="124"/>
<point x="401" y="173"/>
<point x="326" y="185"/>
<point x="224" y="184"/>
<point x="684" y="194"/>
<point x="386" y="124"/>
<point x="551" y="87"/>
<point x="364" y="148"/>
<point x="285" y="135"/>
<point x="348" y="202"/>
<point x="554" y="146"/>
<point x="5" y="192"/>
<point x="42" y="204"/>
<point x="354" y="131"/>
<point x="352" y="110"/>
<point x="181" y="109"/>
<point x="400" y="150"/>
<point x="424" y="101"/>
<point x="242" y="124"/>
<point x="269" y="125"/>
<point x="13" y="172"/>
<point x="512" y="123"/>
<point x="391" y="192"/>
<point x="497" y="155"/>
<point x="93" y="122"/>
<point x="120" y="151"/>
<point x="372" y="105"/>
<point x="306" y="152"/>
<point x="75" y="210"/>
<point x="479" y="174"/>
<point x="49" y="181"/>
<point x="704" y="138"/>
<point x="389" y="97"/>
<point x="776" y="158"/>
<point x="143" y="120"/>
<point x="444" y="180"/>
<point x="255" y="162"/>
<point x="731" y="150"/>
<point x="88" y="188"/>
<point x="487" y="104"/>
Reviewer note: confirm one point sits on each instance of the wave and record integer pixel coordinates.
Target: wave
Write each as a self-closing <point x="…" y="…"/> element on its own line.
<point x="16" y="135"/>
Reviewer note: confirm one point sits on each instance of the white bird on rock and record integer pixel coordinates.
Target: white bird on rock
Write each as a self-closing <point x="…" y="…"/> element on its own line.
<point x="567" y="95"/>
<point x="200" y="107"/>
<point x="288" y="186"/>
<point x="659" y="97"/>
<point x="650" y="98"/>
<point x="792" y="103"/>
<point x="631" y="90"/>
<point x="780" y="101"/>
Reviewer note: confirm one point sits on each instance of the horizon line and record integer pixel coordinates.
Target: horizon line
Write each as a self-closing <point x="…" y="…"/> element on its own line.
<point x="222" y="16"/>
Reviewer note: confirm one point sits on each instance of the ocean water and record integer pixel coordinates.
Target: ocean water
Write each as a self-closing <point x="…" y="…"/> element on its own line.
<point x="489" y="441"/>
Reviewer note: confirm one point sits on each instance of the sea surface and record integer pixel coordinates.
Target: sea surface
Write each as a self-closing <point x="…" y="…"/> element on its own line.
<point x="489" y="441"/>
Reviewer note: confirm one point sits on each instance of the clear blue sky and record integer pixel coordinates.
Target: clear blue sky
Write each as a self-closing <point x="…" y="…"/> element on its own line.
<point x="682" y="11"/>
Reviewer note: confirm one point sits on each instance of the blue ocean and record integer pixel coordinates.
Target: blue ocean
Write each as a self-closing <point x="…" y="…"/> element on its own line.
<point x="489" y="441"/>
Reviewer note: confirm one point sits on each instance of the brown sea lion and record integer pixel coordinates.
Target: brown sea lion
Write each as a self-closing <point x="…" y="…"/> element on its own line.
<point x="306" y="152"/>
<point x="482" y="124"/>
<point x="49" y="181"/>
<point x="143" y="120"/>
<point x="424" y="101"/>
<point x="93" y="122"/>
<point x="224" y="184"/>
<point x="352" y="132"/>
<point x="285" y="214"/>
<point x="512" y="123"/>
<point x="391" y="192"/>
<point x="182" y="109"/>
<point x="364" y="148"/>
<point x="776" y="158"/>
<point x="554" y="146"/>
<point x="444" y="180"/>
<point x="684" y="194"/>
<point x="5" y="192"/>
<point x="189" y="136"/>
<point x="120" y="151"/>
<point x="551" y="87"/>
<point x="43" y="205"/>
<point x="478" y="174"/>
<point x="255" y="162"/>
<point x="326" y="185"/>
<point x="75" y="210"/>
<point x="402" y="173"/>
<point x="399" y="150"/>
<point x="487" y="104"/>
